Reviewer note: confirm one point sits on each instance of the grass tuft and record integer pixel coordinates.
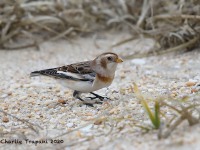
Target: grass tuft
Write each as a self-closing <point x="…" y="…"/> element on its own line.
<point x="153" y="116"/>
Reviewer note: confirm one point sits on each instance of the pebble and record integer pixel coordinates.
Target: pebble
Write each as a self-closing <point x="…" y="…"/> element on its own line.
<point x="197" y="78"/>
<point x="138" y="61"/>
<point x="52" y="120"/>
<point x="5" y="119"/>
<point x="122" y="75"/>
<point x="62" y="101"/>
<point x="70" y="125"/>
<point x="5" y="107"/>
<point x="22" y="98"/>
<point x="190" y="83"/>
<point x="194" y="90"/>
<point x="37" y="116"/>
<point x="29" y="115"/>
<point x="150" y="90"/>
<point x="99" y="121"/>
<point x="4" y="95"/>
<point x="9" y="93"/>
<point x="177" y="66"/>
<point x="113" y="111"/>
<point x="173" y="95"/>
<point x="193" y="80"/>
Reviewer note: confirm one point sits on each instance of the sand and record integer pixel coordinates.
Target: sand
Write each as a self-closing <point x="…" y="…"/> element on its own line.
<point x="52" y="111"/>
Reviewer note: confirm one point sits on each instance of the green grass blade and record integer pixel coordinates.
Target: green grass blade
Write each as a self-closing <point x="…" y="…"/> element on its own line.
<point x="149" y="112"/>
<point x="157" y="115"/>
<point x="154" y="117"/>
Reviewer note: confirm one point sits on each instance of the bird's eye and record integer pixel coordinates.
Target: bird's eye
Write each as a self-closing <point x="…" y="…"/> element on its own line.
<point x="109" y="58"/>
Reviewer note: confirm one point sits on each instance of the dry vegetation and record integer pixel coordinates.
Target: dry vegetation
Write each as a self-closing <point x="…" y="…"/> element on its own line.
<point x="174" y="25"/>
<point x="180" y="109"/>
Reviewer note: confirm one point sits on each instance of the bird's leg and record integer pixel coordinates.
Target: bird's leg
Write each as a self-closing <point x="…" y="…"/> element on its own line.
<point x="76" y="95"/>
<point x="98" y="96"/>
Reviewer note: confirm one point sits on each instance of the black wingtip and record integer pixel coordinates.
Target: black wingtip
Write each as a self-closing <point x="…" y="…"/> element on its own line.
<point x="34" y="73"/>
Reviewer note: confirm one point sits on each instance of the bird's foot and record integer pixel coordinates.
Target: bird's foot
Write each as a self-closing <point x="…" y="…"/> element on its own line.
<point x="76" y="95"/>
<point x="98" y="96"/>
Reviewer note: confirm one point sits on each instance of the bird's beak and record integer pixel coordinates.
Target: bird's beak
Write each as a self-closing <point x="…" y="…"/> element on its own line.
<point x="119" y="60"/>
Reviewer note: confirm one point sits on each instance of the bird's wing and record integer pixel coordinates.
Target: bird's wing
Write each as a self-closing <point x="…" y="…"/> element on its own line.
<point x="77" y="72"/>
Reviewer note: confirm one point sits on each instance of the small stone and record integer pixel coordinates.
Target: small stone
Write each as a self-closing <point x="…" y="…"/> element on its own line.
<point x="194" y="90"/>
<point x="197" y="78"/>
<point x="192" y="80"/>
<point x="177" y="66"/>
<point x="52" y="120"/>
<point x="29" y="115"/>
<point x="5" y="119"/>
<point x="150" y="90"/>
<point x="182" y="89"/>
<point x="173" y="95"/>
<point x="122" y="91"/>
<point x="4" y="95"/>
<point x="79" y="134"/>
<point x="69" y="125"/>
<point x="9" y="93"/>
<point x="5" y="107"/>
<point x="127" y="116"/>
<point x="122" y="76"/>
<point x="57" y="90"/>
<point x="113" y="111"/>
<point x="190" y="83"/>
<point x="64" y="109"/>
<point x="37" y="116"/>
<point x="99" y="121"/>
<point x="62" y="122"/>
<point x="138" y="61"/>
<point x="22" y="98"/>
<point x="62" y="101"/>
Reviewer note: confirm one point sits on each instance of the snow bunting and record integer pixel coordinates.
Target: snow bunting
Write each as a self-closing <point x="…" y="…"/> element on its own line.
<point x="87" y="76"/>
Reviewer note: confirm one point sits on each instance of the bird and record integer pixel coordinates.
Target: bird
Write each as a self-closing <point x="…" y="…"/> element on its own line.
<point x="86" y="76"/>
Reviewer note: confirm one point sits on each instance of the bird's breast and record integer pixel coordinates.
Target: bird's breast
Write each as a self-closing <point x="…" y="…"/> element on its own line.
<point x="101" y="82"/>
<point x="104" y="79"/>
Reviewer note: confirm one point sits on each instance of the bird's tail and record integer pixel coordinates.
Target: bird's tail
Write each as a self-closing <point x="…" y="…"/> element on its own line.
<point x="46" y="72"/>
<point x="35" y="73"/>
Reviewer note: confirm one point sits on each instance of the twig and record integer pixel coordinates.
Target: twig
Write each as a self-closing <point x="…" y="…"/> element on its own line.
<point x="9" y="36"/>
<point x="191" y="120"/>
<point x="172" y="127"/>
<point x="170" y="106"/>
<point x="19" y="47"/>
<point x="29" y="5"/>
<point x="62" y="34"/>
<point x="145" y="9"/>
<point x="30" y="125"/>
<point x="123" y="42"/>
<point x="167" y="16"/>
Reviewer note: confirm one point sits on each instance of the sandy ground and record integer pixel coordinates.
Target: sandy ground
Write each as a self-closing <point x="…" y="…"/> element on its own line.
<point x="40" y="100"/>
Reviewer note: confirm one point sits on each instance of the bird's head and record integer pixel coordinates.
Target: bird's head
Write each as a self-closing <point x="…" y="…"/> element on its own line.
<point x="106" y="64"/>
